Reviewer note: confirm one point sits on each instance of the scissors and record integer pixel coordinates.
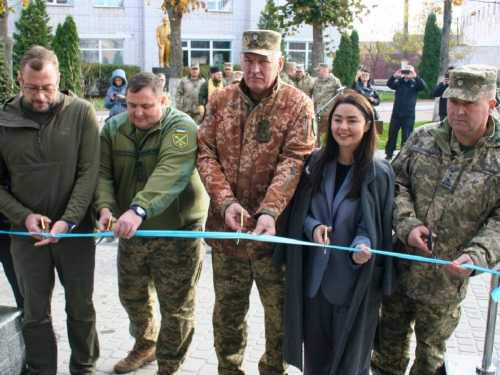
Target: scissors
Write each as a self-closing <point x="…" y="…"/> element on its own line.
<point x="240" y="229"/>
<point x="325" y="238"/>
<point x="431" y="245"/>
<point x="108" y="228"/>
<point x="42" y="223"/>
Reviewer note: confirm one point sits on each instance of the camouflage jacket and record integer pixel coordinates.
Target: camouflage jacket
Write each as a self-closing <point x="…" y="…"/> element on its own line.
<point x="324" y="89"/>
<point x="253" y="155"/>
<point x="186" y="96"/>
<point x="287" y="78"/>
<point x="455" y="193"/>
<point x="306" y="84"/>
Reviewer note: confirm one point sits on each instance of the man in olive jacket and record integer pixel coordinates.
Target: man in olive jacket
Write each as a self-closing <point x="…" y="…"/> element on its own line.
<point x="48" y="143"/>
<point x="148" y="181"/>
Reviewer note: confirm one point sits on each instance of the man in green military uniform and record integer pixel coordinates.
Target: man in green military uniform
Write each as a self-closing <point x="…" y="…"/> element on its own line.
<point x="148" y="181"/>
<point x="447" y="180"/>
<point x="288" y="76"/>
<point x="228" y="72"/>
<point x="186" y="97"/>
<point x="304" y="81"/>
<point x="324" y="89"/>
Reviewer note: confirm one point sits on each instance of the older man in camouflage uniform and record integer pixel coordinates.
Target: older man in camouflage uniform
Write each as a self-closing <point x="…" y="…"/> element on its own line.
<point x="288" y="75"/>
<point x="186" y="97"/>
<point x="304" y="81"/>
<point x="149" y="181"/>
<point x="252" y="148"/>
<point x="447" y="180"/>
<point x="325" y="88"/>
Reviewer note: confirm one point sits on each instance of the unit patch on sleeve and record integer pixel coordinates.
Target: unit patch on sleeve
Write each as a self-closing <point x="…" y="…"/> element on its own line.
<point x="180" y="139"/>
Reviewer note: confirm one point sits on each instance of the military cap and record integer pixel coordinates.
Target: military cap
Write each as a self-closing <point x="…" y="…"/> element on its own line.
<point x="228" y="65"/>
<point x="236" y="76"/>
<point x="322" y="66"/>
<point x="194" y="66"/>
<point x="261" y="42"/>
<point x="471" y="82"/>
<point x="300" y="68"/>
<point x="161" y="76"/>
<point x="215" y="69"/>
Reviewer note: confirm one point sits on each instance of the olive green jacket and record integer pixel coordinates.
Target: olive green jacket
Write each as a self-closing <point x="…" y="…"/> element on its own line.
<point x="53" y="168"/>
<point x="157" y="174"/>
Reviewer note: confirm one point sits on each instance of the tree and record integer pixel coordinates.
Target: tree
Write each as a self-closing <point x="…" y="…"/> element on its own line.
<point x="343" y="61"/>
<point x="33" y="30"/>
<point x="428" y="69"/>
<point x="66" y="45"/>
<point x="176" y="9"/>
<point x="268" y="21"/>
<point x="354" y="53"/>
<point x="319" y="14"/>
<point x="5" y="75"/>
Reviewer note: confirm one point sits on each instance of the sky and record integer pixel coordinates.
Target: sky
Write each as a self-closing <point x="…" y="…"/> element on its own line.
<point x="388" y="15"/>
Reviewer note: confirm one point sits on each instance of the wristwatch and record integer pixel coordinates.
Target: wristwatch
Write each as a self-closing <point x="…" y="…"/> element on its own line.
<point x="139" y="211"/>
<point x="70" y="225"/>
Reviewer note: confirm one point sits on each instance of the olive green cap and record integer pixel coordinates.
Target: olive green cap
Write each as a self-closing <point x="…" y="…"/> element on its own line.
<point x="194" y="66"/>
<point x="322" y="66"/>
<point x="236" y="76"/>
<point x="471" y="82"/>
<point x="300" y="68"/>
<point x="261" y="42"/>
<point x="290" y="65"/>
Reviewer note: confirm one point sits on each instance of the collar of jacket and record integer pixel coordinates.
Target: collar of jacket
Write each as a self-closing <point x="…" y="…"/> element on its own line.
<point x="443" y="136"/>
<point x="13" y="113"/>
<point x="243" y="88"/>
<point x="128" y="128"/>
<point x="194" y="79"/>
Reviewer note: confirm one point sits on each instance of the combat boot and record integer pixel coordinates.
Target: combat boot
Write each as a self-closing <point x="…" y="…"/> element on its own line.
<point x="135" y="359"/>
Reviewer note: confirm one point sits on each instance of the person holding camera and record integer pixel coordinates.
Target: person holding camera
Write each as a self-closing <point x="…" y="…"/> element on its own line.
<point x="407" y="84"/>
<point x="116" y="100"/>
<point x="363" y="86"/>
<point x="439" y="91"/>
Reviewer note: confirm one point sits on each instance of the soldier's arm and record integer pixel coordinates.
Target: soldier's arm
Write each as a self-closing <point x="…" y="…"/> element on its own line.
<point x="104" y="195"/>
<point x="179" y="94"/>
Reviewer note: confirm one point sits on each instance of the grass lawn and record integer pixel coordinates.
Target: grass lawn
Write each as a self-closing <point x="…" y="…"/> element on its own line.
<point x="382" y="138"/>
<point x="386" y="96"/>
<point x="98" y="103"/>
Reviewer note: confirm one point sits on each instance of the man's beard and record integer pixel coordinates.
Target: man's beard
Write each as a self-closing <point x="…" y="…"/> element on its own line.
<point x="216" y="81"/>
<point x="39" y="110"/>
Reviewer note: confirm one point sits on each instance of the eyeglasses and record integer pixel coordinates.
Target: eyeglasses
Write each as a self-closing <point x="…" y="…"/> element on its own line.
<point x="34" y="90"/>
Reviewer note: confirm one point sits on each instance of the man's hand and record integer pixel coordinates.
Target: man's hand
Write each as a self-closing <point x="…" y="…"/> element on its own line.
<point x="122" y="97"/>
<point x="446" y="81"/>
<point x="265" y="225"/>
<point x="362" y="257"/>
<point x="58" y="227"/>
<point x="232" y="216"/>
<point x="127" y="225"/>
<point x="412" y="74"/>
<point x="33" y="224"/>
<point x="398" y="74"/>
<point x="319" y="234"/>
<point x="456" y="270"/>
<point x="415" y="238"/>
<point x="104" y="215"/>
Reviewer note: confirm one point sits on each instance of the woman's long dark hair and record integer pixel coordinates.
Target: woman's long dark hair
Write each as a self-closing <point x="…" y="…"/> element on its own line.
<point x="363" y="155"/>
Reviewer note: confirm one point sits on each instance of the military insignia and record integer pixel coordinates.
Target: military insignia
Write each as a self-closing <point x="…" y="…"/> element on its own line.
<point x="180" y="140"/>
<point x="255" y="36"/>
<point x="460" y="82"/>
<point x="180" y="130"/>
<point x="263" y="131"/>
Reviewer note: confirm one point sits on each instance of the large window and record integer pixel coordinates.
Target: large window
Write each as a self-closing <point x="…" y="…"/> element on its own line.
<point x="59" y="2"/>
<point x="219" y="5"/>
<point x="206" y="52"/>
<point x="104" y="51"/>
<point x="300" y="52"/>
<point x="108" y="3"/>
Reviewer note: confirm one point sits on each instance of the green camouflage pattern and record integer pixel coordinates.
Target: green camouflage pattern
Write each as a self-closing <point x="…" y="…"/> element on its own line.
<point x="290" y="65"/>
<point x="455" y="193"/>
<point x="323" y="90"/>
<point x="186" y="97"/>
<point x="322" y="66"/>
<point x="228" y="65"/>
<point x="471" y="82"/>
<point x="434" y="323"/>
<point x="171" y="268"/>
<point x="287" y="78"/>
<point x="300" y="68"/>
<point x="233" y="279"/>
<point x="261" y="42"/>
<point x="236" y="76"/>
<point x="306" y="84"/>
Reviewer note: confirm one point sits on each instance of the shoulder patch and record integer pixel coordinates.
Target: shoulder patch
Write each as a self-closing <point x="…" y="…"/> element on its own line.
<point x="180" y="140"/>
<point x="180" y="130"/>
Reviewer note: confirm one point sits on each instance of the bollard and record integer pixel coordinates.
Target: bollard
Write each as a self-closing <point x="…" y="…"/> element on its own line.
<point x="485" y="367"/>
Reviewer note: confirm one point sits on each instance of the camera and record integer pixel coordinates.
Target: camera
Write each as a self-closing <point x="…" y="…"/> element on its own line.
<point x="361" y="67"/>
<point x="447" y="75"/>
<point x="405" y="71"/>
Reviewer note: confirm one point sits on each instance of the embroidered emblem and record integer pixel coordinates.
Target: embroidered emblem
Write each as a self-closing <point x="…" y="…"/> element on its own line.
<point x="460" y="82"/>
<point x="180" y="130"/>
<point x="180" y="140"/>
<point x="255" y="36"/>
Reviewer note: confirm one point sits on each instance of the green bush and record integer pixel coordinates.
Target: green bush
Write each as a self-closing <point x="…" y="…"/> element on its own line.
<point x="96" y="77"/>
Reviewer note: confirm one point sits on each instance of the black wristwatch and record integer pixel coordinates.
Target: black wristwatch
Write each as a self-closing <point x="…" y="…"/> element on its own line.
<point x="139" y="211"/>
<point x="70" y="225"/>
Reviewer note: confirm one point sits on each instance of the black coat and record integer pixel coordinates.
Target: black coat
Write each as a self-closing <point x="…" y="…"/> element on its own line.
<point x="406" y="95"/>
<point x="377" y="279"/>
<point x="443" y="102"/>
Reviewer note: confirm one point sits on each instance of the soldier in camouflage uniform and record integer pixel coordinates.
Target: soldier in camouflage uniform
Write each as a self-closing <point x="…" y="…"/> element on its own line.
<point x="149" y="181"/>
<point x="288" y="75"/>
<point x="166" y="94"/>
<point x="252" y="147"/>
<point x="228" y="72"/>
<point x="304" y="81"/>
<point x="186" y="97"/>
<point x="325" y="88"/>
<point x="447" y="180"/>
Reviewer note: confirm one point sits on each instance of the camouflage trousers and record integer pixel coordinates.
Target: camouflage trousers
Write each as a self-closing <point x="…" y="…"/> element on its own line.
<point x="195" y="116"/>
<point x="171" y="267"/>
<point x="233" y="280"/>
<point x="434" y="324"/>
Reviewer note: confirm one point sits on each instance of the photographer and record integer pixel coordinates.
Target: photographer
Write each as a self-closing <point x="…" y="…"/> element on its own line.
<point x="362" y="85"/>
<point x="439" y="91"/>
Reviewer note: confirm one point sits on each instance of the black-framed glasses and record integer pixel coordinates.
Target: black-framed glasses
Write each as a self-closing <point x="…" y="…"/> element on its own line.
<point x="34" y="90"/>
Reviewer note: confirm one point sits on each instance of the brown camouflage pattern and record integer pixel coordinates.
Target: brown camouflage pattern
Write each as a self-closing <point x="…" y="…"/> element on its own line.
<point x="323" y="90"/>
<point x="471" y="82"/>
<point x="186" y="96"/>
<point x="236" y="167"/>
<point x="306" y="84"/>
<point x="456" y="194"/>
<point x="261" y="42"/>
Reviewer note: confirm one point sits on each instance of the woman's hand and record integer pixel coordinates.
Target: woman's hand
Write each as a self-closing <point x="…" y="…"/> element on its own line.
<point x="363" y="256"/>
<point x="319" y="234"/>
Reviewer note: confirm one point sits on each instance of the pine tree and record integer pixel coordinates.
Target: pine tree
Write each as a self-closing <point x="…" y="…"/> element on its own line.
<point x="33" y="29"/>
<point x="343" y="61"/>
<point x="5" y="75"/>
<point x="354" y="55"/>
<point x="428" y="69"/>
<point x="66" y="45"/>
<point x="268" y="20"/>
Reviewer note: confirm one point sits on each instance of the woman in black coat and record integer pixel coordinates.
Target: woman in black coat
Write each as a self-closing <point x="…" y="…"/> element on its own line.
<point x="332" y="297"/>
<point x="362" y="85"/>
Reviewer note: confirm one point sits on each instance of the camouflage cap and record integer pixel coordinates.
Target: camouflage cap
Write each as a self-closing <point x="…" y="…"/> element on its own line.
<point x="290" y="65"/>
<point x="228" y="65"/>
<point x="261" y="42"/>
<point x="161" y="76"/>
<point x="236" y="76"/>
<point x="300" y="68"/>
<point x="322" y="66"/>
<point x="471" y="82"/>
<point x="194" y="66"/>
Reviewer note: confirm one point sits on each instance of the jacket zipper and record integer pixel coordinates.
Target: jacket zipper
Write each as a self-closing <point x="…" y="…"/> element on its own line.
<point x="40" y="141"/>
<point x="289" y="178"/>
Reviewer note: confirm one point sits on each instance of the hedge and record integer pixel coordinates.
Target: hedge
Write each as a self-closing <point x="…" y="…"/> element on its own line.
<point x="96" y="77"/>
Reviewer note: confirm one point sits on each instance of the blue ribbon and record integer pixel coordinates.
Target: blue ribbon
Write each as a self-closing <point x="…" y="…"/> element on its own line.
<point x="495" y="294"/>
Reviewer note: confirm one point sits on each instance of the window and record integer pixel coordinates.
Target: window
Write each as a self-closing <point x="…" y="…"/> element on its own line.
<point x="206" y="52"/>
<point x="104" y="51"/>
<point x="59" y="2"/>
<point x="299" y="52"/>
<point x="108" y="3"/>
<point x="219" y="5"/>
